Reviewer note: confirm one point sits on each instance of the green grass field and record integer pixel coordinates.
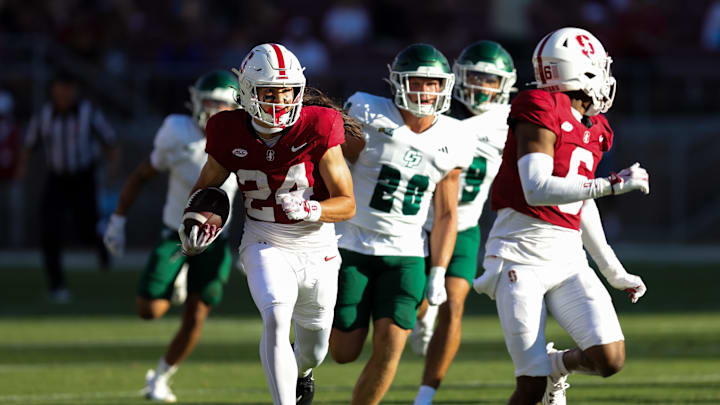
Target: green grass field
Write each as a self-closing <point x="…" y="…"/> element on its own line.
<point x="94" y="350"/>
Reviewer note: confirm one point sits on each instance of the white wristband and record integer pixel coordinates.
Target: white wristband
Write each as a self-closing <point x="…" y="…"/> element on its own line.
<point x="437" y="270"/>
<point x="314" y="211"/>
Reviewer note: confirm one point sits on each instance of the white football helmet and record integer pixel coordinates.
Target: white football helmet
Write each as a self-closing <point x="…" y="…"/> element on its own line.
<point x="271" y="65"/>
<point x="572" y="59"/>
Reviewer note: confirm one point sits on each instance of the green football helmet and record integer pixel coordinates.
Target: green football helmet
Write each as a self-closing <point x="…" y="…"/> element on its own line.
<point x="485" y="76"/>
<point x="421" y="60"/>
<point x="218" y="87"/>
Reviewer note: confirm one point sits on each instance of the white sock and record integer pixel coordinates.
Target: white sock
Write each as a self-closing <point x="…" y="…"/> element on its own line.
<point x="557" y="365"/>
<point x="425" y="395"/>
<point x="165" y="369"/>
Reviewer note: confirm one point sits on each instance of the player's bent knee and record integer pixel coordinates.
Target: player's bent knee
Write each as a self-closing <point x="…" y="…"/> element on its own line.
<point x="611" y="366"/>
<point x="607" y="359"/>
<point x="150" y="309"/>
<point x="343" y="355"/>
<point x="345" y="347"/>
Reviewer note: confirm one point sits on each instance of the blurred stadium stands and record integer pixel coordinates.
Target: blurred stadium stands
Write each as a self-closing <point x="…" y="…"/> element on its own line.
<point x="137" y="59"/>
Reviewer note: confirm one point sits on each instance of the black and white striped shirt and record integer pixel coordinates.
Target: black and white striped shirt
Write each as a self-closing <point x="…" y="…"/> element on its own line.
<point x="71" y="141"/>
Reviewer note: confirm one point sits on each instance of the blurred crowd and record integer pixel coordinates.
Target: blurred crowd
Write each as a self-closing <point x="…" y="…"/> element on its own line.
<point x="338" y="40"/>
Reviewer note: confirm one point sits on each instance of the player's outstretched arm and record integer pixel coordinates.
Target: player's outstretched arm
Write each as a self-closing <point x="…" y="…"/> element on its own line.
<point x="593" y="237"/>
<point x="114" y="237"/>
<point x="133" y="185"/>
<point x="443" y="235"/>
<point x="535" y="147"/>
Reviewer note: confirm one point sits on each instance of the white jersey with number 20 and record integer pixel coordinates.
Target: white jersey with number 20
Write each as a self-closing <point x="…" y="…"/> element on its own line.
<point x="395" y="175"/>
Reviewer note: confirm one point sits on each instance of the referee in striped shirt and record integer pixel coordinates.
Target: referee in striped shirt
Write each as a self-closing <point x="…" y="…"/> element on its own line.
<point x="72" y="132"/>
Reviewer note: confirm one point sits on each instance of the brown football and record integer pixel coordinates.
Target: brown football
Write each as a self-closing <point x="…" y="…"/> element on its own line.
<point x="210" y="219"/>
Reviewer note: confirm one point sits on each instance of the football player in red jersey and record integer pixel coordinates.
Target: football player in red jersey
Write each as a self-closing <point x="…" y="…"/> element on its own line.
<point x="295" y="183"/>
<point x="544" y="194"/>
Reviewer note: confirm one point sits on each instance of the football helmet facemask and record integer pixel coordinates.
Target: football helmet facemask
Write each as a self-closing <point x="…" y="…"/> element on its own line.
<point x="571" y="59"/>
<point x="480" y="62"/>
<point x="210" y="92"/>
<point x="421" y="60"/>
<point x="271" y="65"/>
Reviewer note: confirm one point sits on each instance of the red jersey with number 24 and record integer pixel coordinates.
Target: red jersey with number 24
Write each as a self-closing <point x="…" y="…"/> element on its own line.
<point x="266" y="172"/>
<point x="578" y="150"/>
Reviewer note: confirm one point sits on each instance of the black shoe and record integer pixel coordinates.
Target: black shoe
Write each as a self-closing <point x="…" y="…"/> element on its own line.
<point x="305" y="390"/>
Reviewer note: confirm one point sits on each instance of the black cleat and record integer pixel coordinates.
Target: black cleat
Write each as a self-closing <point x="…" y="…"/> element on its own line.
<point x="305" y="390"/>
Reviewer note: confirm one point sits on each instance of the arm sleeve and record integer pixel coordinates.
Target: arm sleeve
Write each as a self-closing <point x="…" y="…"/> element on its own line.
<point x="593" y="237"/>
<point x="542" y="188"/>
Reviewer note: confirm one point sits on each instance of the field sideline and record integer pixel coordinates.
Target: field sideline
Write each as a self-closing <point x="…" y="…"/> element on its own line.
<point x="94" y="351"/>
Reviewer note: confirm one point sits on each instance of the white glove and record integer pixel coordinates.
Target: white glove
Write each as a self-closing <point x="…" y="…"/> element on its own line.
<point x="632" y="178"/>
<point x="114" y="237"/>
<point x="624" y="281"/>
<point x="300" y="209"/>
<point x="436" y="293"/>
<point x="199" y="237"/>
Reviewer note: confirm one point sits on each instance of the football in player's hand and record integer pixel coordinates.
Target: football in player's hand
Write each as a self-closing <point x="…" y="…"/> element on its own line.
<point x="208" y="206"/>
<point x="210" y="219"/>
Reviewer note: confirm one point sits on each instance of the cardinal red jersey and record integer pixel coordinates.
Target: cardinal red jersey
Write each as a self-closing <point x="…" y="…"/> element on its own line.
<point x="578" y="150"/>
<point x="266" y="172"/>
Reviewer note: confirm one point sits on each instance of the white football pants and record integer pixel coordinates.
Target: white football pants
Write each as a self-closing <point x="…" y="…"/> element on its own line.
<point x="295" y="287"/>
<point x="574" y="296"/>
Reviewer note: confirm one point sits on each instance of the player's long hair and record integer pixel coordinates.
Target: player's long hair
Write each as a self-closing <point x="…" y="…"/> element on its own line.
<point x="313" y="96"/>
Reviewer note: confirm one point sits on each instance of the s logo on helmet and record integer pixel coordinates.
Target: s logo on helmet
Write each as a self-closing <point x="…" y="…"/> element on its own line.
<point x="588" y="48"/>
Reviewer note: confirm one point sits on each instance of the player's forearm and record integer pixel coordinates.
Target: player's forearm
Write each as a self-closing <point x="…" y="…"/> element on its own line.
<point x="133" y="186"/>
<point x="212" y="175"/>
<point x="445" y="222"/>
<point x="442" y="239"/>
<point x="542" y="188"/>
<point x="337" y="209"/>
<point x="593" y="237"/>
